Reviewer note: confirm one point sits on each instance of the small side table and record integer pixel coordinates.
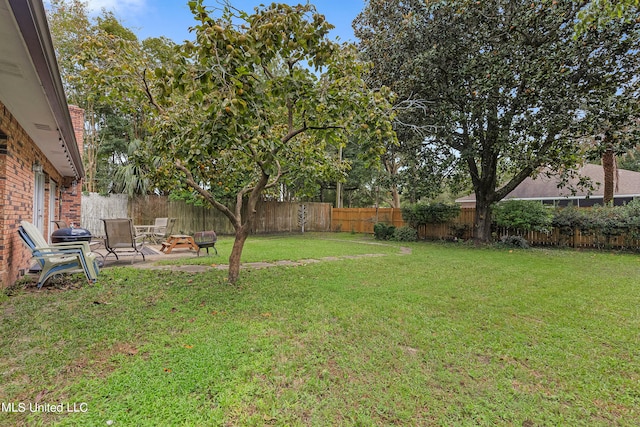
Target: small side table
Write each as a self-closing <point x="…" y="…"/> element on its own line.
<point x="178" y="241"/>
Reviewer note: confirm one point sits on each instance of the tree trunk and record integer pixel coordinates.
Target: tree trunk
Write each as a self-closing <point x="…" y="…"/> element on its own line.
<point x="392" y="167"/>
<point x="395" y="197"/>
<point x="608" y="166"/>
<point x="234" y="259"/>
<point x="482" y="221"/>
<point x="244" y="228"/>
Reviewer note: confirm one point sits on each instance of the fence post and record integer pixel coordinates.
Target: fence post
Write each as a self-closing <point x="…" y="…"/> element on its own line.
<point x="302" y="216"/>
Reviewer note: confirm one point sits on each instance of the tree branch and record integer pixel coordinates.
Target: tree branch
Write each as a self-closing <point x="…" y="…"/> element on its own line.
<point x="147" y="91"/>
<point x="207" y="195"/>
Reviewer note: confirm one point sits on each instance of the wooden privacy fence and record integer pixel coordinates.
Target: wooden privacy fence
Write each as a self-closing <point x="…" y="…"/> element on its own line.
<point x="282" y="217"/>
<point x="362" y="220"/>
<point x="272" y="217"/>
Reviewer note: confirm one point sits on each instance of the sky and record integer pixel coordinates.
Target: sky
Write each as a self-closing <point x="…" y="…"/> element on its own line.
<point x="172" y="18"/>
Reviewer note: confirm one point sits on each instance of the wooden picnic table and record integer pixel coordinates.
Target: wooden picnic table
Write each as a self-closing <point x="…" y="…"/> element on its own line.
<point x="178" y="241"/>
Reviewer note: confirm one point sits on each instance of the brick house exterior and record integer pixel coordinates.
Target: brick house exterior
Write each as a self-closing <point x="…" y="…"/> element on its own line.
<point x="40" y="135"/>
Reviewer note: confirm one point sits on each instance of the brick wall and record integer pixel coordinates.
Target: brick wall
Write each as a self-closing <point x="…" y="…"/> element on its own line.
<point x="18" y="154"/>
<point x="72" y="203"/>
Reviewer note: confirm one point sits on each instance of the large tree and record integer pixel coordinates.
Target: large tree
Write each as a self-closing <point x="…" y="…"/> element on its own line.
<point x="255" y="102"/>
<point x="102" y="63"/>
<point x="504" y="86"/>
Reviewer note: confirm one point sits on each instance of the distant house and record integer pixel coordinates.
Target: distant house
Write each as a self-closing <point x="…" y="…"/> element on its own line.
<point x="547" y="191"/>
<point x="40" y="135"/>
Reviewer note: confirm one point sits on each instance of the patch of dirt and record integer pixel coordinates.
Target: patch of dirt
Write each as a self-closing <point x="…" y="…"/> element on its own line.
<point x="409" y="350"/>
<point x="59" y="283"/>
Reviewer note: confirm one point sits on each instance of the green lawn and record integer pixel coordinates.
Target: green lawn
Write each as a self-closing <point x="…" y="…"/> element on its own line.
<point x="445" y="335"/>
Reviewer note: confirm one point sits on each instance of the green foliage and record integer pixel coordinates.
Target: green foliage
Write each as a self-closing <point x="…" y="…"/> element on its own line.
<point x="405" y="234"/>
<point x="526" y="215"/>
<point x="604" y="222"/>
<point x="609" y="220"/>
<point x="630" y="160"/>
<point x="568" y="219"/>
<point x="260" y="100"/>
<point x="429" y="213"/>
<point x="458" y="230"/>
<point x="514" y="242"/>
<point x="481" y="84"/>
<point x="103" y="65"/>
<point x="382" y="231"/>
<point x="243" y="111"/>
<point x="598" y="13"/>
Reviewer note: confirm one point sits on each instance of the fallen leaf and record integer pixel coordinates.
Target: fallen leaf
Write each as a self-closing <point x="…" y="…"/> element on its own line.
<point x="41" y="395"/>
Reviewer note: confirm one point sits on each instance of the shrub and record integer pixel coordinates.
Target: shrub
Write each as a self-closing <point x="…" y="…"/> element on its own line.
<point x="603" y="222"/>
<point x="405" y="234"/>
<point x="514" y="242"/>
<point x="568" y="219"/>
<point x="458" y="230"/>
<point x="429" y="213"/>
<point x="526" y="215"/>
<point x="608" y="220"/>
<point x="382" y="231"/>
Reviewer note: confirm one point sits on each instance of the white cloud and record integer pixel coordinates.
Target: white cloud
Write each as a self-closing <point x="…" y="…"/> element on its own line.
<point x="119" y="7"/>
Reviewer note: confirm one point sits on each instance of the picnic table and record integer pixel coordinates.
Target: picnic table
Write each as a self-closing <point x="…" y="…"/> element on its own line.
<point x="178" y="241"/>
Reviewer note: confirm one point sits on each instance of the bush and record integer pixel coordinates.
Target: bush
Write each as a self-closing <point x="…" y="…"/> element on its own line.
<point x="382" y="231"/>
<point x="405" y="234"/>
<point x="602" y="222"/>
<point x="568" y="219"/>
<point x="608" y="221"/>
<point x="429" y="213"/>
<point x="514" y="242"/>
<point x="526" y="215"/>
<point x="458" y="230"/>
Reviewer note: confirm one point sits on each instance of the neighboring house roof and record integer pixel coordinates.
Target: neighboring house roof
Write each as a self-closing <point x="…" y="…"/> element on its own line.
<point x="30" y="84"/>
<point x="546" y="188"/>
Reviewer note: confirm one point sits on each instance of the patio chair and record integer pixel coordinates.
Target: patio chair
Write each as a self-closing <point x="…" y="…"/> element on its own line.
<point x="162" y="229"/>
<point x="61" y="224"/>
<point x="121" y="236"/>
<point x="57" y="258"/>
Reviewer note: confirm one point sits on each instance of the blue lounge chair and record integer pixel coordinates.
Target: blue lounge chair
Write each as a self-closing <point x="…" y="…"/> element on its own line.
<point x="58" y="258"/>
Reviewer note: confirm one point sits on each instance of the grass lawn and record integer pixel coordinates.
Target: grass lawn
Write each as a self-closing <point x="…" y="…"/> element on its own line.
<point x="445" y="335"/>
